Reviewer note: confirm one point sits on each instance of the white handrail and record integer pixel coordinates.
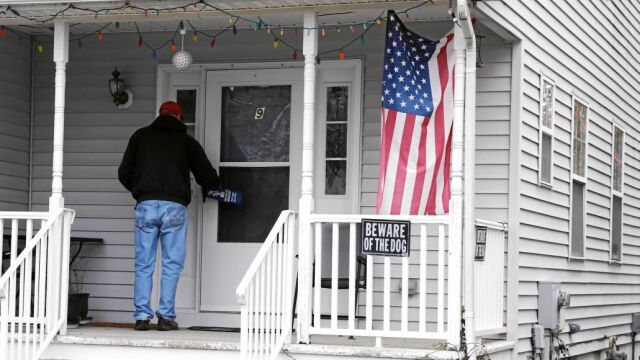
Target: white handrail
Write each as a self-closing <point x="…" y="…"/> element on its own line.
<point x="241" y="289"/>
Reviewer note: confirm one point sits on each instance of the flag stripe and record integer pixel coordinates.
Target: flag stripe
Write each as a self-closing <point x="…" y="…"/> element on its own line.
<point x="401" y="173"/>
<point x="440" y="129"/>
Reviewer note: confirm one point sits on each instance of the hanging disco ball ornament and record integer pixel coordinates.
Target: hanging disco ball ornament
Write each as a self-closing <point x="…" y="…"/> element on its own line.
<point x="182" y="60"/>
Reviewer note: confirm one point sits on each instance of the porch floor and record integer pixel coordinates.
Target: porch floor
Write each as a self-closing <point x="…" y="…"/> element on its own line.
<point x="229" y="341"/>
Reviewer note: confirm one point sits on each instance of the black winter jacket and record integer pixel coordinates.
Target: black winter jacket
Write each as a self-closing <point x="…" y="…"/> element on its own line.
<point x="158" y="159"/>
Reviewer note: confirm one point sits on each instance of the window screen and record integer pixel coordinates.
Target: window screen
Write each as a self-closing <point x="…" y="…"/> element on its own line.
<point x="579" y="138"/>
<point x="616" y="229"/>
<point x="546" y="113"/>
<point x="546" y="158"/>
<point x="618" y="165"/>
<point x="577" y="219"/>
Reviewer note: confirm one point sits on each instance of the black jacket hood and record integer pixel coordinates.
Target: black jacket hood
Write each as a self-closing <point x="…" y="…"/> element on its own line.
<point x="168" y="122"/>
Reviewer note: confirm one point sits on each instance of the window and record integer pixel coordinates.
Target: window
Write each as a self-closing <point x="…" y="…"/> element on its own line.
<point x="617" y="186"/>
<point x="187" y="98"/>
<point x="545" y="156"/>
<point x="579" y="142"/>
<point x="336" y="140"/>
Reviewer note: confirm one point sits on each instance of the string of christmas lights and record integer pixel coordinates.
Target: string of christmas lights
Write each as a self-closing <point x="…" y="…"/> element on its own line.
<point x="234" y="23"/>
<point x="200" y="5"/>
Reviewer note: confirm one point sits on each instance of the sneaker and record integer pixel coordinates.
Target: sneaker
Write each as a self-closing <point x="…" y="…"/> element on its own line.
<point x="142" y="325"/>
<point x="165" y="324"/>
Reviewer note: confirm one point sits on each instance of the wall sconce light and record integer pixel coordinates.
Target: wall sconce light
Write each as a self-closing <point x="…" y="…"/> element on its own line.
<point x="123" y="98"/>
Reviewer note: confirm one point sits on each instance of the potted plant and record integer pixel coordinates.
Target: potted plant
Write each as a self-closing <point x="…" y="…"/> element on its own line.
<point x="78" y="303"/>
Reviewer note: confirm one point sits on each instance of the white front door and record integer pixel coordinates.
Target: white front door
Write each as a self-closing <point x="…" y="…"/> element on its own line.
<point x="252" y="136"/>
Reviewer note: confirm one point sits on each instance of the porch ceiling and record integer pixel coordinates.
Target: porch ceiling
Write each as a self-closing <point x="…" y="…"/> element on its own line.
<point x="277" y="12"/>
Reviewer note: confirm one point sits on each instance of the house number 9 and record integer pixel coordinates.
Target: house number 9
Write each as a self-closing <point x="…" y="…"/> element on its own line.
<point x="260" y="112"/>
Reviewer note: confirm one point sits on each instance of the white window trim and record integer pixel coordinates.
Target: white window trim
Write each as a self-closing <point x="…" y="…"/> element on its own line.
<point x="546" y="130"/>
<point x="578" y="178"/>
<point x="619" y="194"/>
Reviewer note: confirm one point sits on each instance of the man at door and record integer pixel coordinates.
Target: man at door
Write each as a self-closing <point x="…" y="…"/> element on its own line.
<point x="155" y="169"/>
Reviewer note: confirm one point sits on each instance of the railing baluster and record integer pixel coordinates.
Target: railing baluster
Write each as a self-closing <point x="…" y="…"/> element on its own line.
<point x="369" y="305"/>
<point x="387" y="295"/>
<point x="422" y="326"/>
<point x="64" y="271"/>
<point x="4" y="323"/>
<point x="43" y="299"/>
<point x="36" y="298"/>
<point x="263" y="305"/>
<point x="404" y="325"/>
<point x="269" y="285"/>
<point x="12" y="287"/>
<point x="318" y="276"/>
<point x="291" y="230"/>
<point x="335" y="258"/>
<point x="441" y="278"/>
<point x="352" y="275"/>
<point x="12" y="281"/>
<point x="251" y="326"/>
<point x="28" y="284"/>
<point x="279" y="281"/>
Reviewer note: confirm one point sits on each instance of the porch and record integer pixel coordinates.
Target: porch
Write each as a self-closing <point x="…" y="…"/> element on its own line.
<point x="402" y="304"/>
<point x="102" y="342"/>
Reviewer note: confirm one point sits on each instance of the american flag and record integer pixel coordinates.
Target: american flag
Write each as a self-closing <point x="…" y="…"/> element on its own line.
<point x="417" y="115"/>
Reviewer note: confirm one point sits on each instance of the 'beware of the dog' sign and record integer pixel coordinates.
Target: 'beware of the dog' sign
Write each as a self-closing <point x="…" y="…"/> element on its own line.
<point x="385" y="237"/>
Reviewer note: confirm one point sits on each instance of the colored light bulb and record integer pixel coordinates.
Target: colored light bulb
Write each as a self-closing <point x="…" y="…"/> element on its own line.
<point x="100" y="36"/>
<point x="213" y="43"/>
<point x="341" y="55"/>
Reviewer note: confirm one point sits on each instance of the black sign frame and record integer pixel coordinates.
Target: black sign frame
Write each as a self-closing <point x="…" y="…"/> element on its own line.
<point x="390" y="241"/>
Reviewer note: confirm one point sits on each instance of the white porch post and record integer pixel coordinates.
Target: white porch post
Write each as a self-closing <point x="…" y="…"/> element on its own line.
<point x="455" y="229"/>
<point x="305" y="261"/>
<point x="60" y="57"/>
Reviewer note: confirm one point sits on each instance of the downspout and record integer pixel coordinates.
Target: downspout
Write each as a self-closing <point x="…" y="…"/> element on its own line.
<point x="455" y="229"/>
<point x="31" y="120"/>
<point x="464" y="20"/>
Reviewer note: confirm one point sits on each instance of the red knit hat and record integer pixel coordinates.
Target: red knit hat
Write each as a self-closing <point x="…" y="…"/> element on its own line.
<point x="170" y="108"/>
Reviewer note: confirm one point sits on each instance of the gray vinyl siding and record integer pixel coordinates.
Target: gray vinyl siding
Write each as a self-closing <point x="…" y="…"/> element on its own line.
<point x="15" y="104"/>
<point x="589" y="48"/>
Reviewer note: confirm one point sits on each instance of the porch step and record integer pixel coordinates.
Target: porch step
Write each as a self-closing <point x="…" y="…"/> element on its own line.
<point x="126" y="344"/>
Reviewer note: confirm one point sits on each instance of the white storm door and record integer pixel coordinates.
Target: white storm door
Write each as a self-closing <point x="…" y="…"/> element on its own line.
<point x="253" y="135"/>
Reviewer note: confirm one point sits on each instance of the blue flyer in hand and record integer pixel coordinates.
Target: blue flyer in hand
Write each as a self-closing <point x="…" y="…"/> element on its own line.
<point x="226" y="196"/>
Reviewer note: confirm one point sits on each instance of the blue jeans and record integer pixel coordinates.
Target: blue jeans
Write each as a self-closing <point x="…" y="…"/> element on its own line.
<point x="167" y="221"/>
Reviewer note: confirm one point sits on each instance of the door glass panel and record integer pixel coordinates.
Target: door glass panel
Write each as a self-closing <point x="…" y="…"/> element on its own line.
<point x="266" y="194"/>
<point x="337" y="103"/>
<point x="255" y="123"/>
<point x="336" y="141"/>
<point x="336" y="177"/>
<point x="187" y="99"/>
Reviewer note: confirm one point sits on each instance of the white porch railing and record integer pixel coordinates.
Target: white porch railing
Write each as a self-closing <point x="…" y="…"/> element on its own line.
<point x="265" y="293"/>
<point x="425" y="318"/>
<point x="33" y="290"/>
<point x="489" y="278"/>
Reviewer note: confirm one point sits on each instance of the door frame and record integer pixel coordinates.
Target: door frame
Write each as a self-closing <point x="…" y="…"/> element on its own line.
<point x="162" y="75"/>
